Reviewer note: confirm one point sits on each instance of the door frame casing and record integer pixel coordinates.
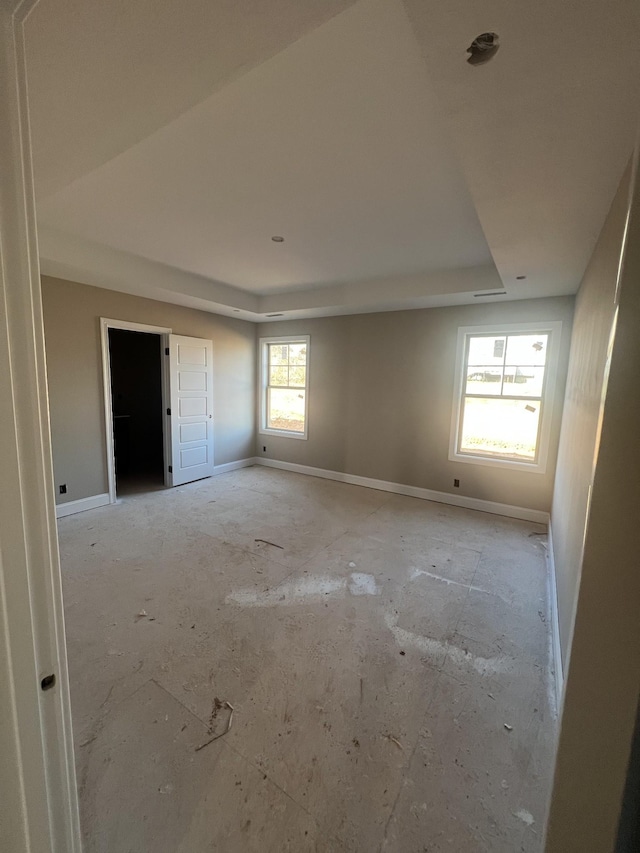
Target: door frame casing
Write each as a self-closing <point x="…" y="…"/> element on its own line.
<point x="38" y="786"/>
<point x="128" y="326"/>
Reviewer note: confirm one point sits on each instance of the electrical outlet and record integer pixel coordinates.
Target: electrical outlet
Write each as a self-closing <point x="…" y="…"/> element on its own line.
<point x="456" y="484"/>
<point x="63" y="489"/>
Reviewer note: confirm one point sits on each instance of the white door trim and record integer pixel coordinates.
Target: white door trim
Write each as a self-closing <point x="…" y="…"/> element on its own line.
<point x="105" y="325"/>
<point x="37" y="771"/>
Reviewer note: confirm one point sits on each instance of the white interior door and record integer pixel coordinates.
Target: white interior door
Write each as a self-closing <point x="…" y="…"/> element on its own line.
<point x="191" y="408"/>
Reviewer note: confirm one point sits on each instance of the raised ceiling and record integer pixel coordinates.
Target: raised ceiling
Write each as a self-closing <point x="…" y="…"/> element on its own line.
<point x="172" y="140"/>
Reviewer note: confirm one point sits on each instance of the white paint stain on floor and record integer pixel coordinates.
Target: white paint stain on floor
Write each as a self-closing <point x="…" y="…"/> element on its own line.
<point x="305" y="590"/>
<point x="525" y="817"/>
<point x="361" y="584"/>
<point x="439" y="650"/>
<point x="416" y="573"/>
<point x="309" y="590"/>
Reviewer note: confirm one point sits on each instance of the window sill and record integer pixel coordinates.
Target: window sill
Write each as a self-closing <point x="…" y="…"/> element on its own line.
<point x="283" y="433"/>
<point x="495" y="462"/>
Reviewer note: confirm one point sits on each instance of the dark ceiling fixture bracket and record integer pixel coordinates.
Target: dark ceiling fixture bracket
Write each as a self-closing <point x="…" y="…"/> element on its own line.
<point x="483" y="48"/>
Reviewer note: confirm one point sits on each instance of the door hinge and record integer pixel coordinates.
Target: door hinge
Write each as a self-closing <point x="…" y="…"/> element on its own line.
<point x="171" y="469"/>
<point x="168" y="411"/>
<point x="166" y="350"/>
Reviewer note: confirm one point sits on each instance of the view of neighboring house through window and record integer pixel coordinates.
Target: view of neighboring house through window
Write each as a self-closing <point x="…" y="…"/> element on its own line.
<point x="284" y="385"/>
<point x="502" y="397"/>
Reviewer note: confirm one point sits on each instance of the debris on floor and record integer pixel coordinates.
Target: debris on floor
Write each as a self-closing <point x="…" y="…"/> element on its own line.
<point x="142" y="614"/>
<point x="266" y="542"/>
<point x="107" y="697"/>
<point x="213" y="714"/>
<point x="293" y="664"/>
<point x="525" y="817"/>
<point x="217" y="705"/>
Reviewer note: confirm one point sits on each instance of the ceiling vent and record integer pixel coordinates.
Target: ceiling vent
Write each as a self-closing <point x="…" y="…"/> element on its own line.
<point x="483" y="48"/>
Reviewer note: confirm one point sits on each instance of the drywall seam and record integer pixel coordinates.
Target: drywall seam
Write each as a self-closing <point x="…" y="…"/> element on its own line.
<point x="523" y="513"/>
<point x="555" y="621"/>
<point x="71" y="507"/>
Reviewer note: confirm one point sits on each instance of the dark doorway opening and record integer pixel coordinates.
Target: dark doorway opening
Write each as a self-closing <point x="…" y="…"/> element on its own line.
<point x="136" y="396"/>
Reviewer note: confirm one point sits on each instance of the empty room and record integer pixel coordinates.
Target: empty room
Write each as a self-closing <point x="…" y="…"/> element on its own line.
<point x="320" y="416"/>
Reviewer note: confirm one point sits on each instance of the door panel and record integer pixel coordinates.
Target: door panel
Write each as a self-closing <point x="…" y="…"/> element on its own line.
<point x="193" y="432"/>
<point x="191" y="394"/>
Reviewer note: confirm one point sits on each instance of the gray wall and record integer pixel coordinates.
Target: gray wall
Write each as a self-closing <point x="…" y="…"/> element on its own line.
<point x="74" y="370"/>
<point x="381" y="396"/>
<point x="628" y="840"/>
<point x="603" y="680"/>
<point x="593" y="317"/>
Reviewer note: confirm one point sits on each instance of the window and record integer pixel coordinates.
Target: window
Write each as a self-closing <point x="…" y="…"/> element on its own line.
<point x="502" y="404"/>
<point x="285" y="383"/>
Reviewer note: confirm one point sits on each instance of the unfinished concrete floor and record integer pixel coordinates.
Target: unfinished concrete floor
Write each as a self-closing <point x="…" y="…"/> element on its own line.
<point x="386" y="657"/>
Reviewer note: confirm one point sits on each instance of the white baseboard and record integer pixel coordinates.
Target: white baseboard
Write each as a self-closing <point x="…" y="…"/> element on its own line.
<point x="555" y="622"/>
<point x="233" y="466"/>
<point x="412" y="491"/>
<point x="71" y="507"/>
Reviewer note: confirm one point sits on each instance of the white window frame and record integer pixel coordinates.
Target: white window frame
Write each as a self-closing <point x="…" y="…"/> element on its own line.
<point x="539" y="466"/>
<point x="264" y="384"/>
